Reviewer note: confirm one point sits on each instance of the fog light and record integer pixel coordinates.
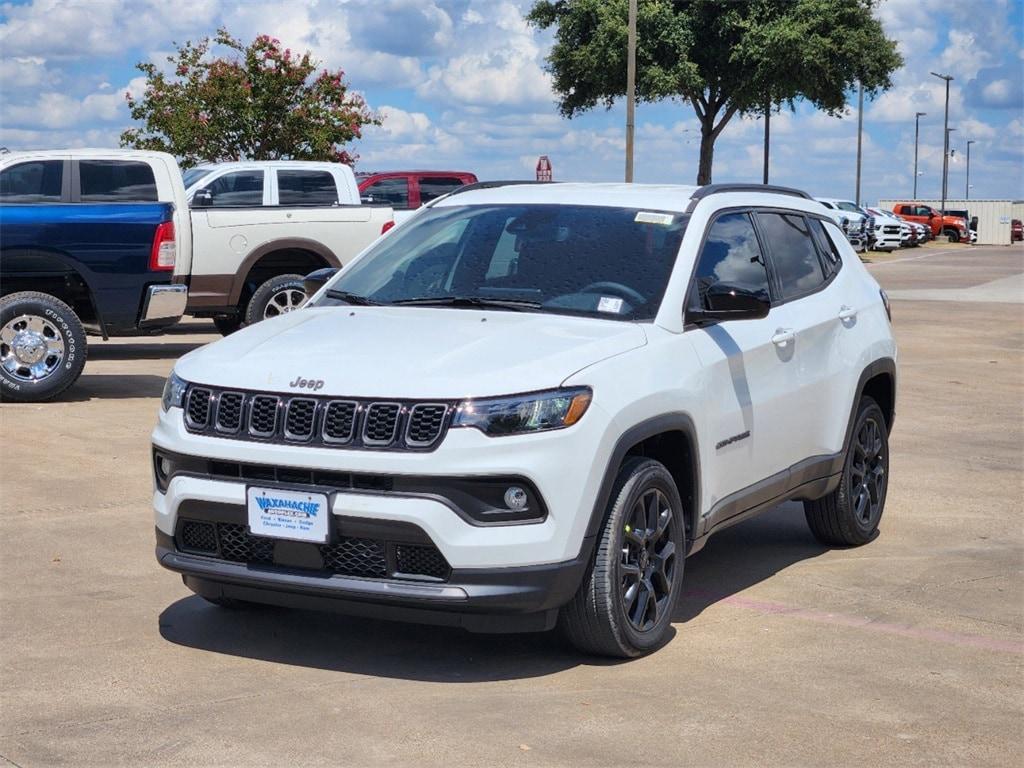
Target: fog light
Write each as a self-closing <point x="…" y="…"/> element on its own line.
<point x="516" y="498"/>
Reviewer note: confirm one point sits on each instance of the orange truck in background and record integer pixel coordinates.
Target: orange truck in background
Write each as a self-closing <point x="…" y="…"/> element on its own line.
<point x="954" y="227"/>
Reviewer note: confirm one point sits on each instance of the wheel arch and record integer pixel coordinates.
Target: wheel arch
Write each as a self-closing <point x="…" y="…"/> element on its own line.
<point x="671" y="439"/>
<point x="878" y="381"/>
<point x="54" y="273"/>
<point x="280" y="257"/>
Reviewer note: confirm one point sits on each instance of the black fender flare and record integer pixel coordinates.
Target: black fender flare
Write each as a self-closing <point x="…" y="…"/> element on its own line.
<point x="668" y="422"/>
<point x="883" y="365"/>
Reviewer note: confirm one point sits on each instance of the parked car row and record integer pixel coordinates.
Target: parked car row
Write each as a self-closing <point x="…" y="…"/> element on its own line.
<point x="118" y="242"/>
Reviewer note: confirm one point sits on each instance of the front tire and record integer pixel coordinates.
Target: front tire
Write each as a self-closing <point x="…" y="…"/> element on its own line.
<point x="42" y="347"/>
<point x="849" y="516"/>
<point x="953" y="236"/>
<point x="624" y="605"/>
<point x="277" y="296"/>
<point x="227" y="324"/>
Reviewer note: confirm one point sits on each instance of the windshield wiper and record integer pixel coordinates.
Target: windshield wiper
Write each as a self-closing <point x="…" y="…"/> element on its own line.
<point x="350" y="298"/>
<point x="472" y="302"/>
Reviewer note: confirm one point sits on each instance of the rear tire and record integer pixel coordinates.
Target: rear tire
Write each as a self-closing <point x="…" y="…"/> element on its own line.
<point x="227" y="324"/>
<point x="849" y="516"/>
<point x="624" y="605"/>
<point x="277" y="296"/>
<point x="42" y="347"/>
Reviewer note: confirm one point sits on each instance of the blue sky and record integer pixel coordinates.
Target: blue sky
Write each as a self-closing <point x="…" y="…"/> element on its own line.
<point x="461" y="84"/>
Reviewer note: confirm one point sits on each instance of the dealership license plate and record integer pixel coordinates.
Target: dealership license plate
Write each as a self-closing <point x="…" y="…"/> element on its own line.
<point x="294" y="515"/>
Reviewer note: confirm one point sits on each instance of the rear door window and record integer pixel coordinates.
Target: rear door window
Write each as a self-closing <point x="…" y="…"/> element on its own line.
<point x="389" y="192"/>
<point x="35" y="181"/>
<point x="237" y="189"/>
<point x="432" y="187"/>
<point x="301" y="187"/>
<point x="793" y="253"/>
<point x="116" y="181"/>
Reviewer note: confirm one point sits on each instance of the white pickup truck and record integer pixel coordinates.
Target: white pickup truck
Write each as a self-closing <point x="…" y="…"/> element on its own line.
<point x="259" y="226"/>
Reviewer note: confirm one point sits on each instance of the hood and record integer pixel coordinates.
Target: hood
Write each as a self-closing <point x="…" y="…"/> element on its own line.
<point x="409" y="352"/>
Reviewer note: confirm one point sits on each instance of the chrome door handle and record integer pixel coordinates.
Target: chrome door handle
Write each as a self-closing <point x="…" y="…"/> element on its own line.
<point x="847" y="313"/>
<point x="783" y="336"/>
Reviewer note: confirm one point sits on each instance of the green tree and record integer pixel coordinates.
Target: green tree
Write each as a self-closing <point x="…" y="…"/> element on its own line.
<point x="261" y="102"/>
<point x="724" y="58"/>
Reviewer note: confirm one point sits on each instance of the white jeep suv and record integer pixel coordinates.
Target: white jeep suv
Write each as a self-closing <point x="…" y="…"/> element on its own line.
<point x="527" y="405"/>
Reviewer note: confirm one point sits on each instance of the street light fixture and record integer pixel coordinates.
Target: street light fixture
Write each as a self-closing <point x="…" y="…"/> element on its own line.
<point x="945" y="148"/>
<point x="967" y="183"/>
<point x="917" y="134"/>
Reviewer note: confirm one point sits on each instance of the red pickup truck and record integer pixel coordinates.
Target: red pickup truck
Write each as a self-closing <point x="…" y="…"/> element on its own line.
<point x="954" y="227"/>
<point x="408" y="190"/>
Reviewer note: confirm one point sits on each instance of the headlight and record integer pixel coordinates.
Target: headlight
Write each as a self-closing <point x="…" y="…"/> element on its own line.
<point x="174" y="392"/>
<point x="531" y="412"/>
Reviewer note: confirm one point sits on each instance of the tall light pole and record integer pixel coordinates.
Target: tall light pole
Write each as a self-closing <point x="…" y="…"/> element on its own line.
<point x="860" y="134"/>
<point x="967" y="183"/>
<point x="917" y="135"/>
<point x="945" y="147"/>
<point x="767" y="134"/>
<point x="630" y="89"/>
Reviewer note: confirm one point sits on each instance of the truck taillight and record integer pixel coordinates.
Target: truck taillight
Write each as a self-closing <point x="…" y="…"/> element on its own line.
<point x="387" y="225"/>
<point x="164" y="251"/>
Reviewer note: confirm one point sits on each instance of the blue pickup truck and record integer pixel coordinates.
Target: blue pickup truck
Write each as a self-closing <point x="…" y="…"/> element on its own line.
<point x="91" y="242"/>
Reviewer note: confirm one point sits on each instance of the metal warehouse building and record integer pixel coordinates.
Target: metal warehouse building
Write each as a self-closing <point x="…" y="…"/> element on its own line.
<point x="994" y="216"/>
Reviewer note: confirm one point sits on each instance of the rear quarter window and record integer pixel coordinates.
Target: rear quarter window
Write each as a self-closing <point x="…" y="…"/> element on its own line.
<point x="116" y="181"/>
<point x="299" y="187"/>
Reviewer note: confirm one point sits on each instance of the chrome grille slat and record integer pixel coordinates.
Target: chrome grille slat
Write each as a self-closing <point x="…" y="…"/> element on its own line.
<point x="325" y="421"/>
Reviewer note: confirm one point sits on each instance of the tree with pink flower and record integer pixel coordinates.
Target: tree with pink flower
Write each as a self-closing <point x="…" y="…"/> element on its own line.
<point x="257" y="102"/>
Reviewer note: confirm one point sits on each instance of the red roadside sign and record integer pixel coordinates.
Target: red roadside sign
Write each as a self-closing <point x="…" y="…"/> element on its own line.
<point x="543" y="168"/>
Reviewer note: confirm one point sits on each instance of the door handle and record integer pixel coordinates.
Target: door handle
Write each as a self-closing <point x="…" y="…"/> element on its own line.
<point x="847" y="313"/>
<point x="783" y="336"/>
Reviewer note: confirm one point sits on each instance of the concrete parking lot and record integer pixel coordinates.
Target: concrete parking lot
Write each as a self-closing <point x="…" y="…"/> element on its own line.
<point x="907" y="651"/>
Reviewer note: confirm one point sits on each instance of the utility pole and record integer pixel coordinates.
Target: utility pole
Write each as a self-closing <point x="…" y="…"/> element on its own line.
<point x="967" y="184"/>
<point x="630" y="89"/>
<point x="917" y="135"/>
<point x="860" y="134"/>
<point x="945" y="146"/>
<point x="767" y="134"/>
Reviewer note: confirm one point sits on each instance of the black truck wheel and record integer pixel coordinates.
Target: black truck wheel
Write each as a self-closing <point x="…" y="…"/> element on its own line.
<point x="42" y="347"/>
<point x="227" y="324"/>
<point x="624" y="605"/>
<point x="277" y="296"/>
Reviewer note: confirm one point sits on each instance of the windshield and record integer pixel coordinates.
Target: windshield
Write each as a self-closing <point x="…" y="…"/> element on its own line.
<point x="192" y="175"/>
<point x="845" y="206"/>
<point x="612" y="263"/>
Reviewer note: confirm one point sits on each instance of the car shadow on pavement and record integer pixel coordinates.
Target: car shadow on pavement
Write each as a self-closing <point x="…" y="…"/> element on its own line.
<point x="736" y="559"/>
<point x="114" y="386"/>
<point x="744" y="555"/>
<point x="143" y="350"/>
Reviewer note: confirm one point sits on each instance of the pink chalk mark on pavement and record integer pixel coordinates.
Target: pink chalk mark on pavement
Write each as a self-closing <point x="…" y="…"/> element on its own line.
<point x="858" y="622"/>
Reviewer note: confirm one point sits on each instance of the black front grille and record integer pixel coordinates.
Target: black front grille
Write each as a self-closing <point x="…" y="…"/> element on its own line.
<point x="197" y="409"/>
<point x="229" y="411"/>
<point x="355" y="557"/>
<point x="263" y="415"/>
<point x="237" y="544"/>
<point x="339" y="421"/>
<point x="198" y="537"/>
<point x="381" y="423"/>
<point x="425" y="423"/>
<point x="298" y="424"/>
<point x="426" y="561"/>
<point x="363" y="557"/>
<point x="322" y="421"/>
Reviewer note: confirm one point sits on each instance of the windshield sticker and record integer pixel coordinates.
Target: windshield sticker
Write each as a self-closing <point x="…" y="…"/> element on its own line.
<point x="651" y="217"/>
<point x="609" y="304"/>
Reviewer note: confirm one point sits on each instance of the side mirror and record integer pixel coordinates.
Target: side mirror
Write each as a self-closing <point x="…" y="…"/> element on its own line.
<point x="731" y="302"/>
<point x="931" y="214"/>
<point x="203" y="198"/>
<point x="314" y="281"/>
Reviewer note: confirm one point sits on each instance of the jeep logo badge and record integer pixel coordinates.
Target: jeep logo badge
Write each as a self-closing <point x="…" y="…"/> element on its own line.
<point x="301" y="383"/>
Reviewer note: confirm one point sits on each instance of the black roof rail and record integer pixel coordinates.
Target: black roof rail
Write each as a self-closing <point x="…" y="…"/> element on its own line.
<point x="714" y="189"/>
